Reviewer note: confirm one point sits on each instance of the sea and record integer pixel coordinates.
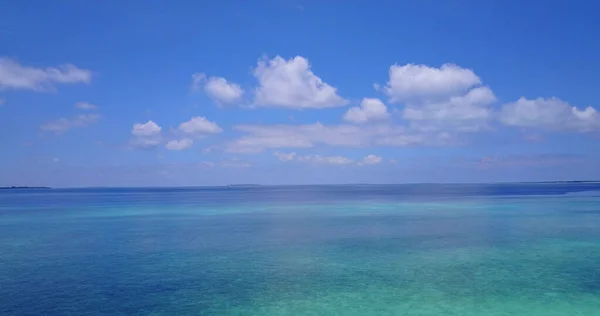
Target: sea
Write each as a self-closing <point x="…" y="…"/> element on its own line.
<point x="415" y="249"/>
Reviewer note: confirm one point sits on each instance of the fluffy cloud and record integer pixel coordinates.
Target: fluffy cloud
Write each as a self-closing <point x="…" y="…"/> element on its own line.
<point x="150" y="134"/>
<point x="467" y="113"/>
<point x="409" y="83"/>
<point x="292" y="84"/>
<point x="369" y="110"/>
<point x="446" y="98"/>
<point x="85" y="106"/>
<point x="471" y="106"/>
<point x="147" y="134"/>
<point x="199" y="125"/>
<point x="217" y="88"/>
<point x="16" y="76"/>
<point x="372" y="160"/>
<point x="549" y="114"/>
<point x="146" y="129"/>
<point x="179" y="144"/>
<point x="260" y="137"/>
<point x="64" y="124"/>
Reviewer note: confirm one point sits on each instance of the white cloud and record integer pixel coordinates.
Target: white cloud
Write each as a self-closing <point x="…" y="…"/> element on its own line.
<point x="372" y="160"/>
<point x="62" y="125"/>
<point x="146" y="129"/>
<point x="439" y="105"/>
<point x="146" y="135"/>
<point x="471" y="106"/>
<point x="199" y="125"/>
<point x="217" y="88"/>
<point x="292" y="84"/>
<point x="260" y="137"/>
<point x="469" y="112"/>
<point x="235" y="163"/>
<point x="326" y="160"/>
<point x="369" y="110"/>
<point x="85" y="106"/>
<point x="538" y="160"/>
<point x="417" y="82"/>
<point x="179" y="144"/>
<point x="449" y="98"/>
<point x="150" y="134"/>
<point x="549" y="114"/>
<point x="16" y="76"/>
<point x="285" y="156"/>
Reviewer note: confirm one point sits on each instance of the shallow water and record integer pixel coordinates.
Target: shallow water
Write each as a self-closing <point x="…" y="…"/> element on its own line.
<point x="519" y="249"/>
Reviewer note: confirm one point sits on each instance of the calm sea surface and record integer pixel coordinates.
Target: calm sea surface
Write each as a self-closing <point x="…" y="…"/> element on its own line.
<point x="498" y="249"/>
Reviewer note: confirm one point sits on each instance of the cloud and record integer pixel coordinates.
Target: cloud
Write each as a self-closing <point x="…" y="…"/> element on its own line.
<point x="541" y="160"/>
<point x="199" y="125"/>
<point x="469" y="112"/>
<point x="369" y="110"/>
<point x="449" y="98"/>
<point x="326" y="160"/>
<point x="292" y="84"/>
<point x="372" y="160"/>
<point x="146" y="134"/>
<point x="146" y="129"/>
<point x="179" y="144"/>
<point x="260" y="137"/>
<point x="150" y="134"/>
<point x="18" y="77"/>
<point x="465" y="107"/>
<point x="549" y="114"/>
<point x="85" y="106"/>
<point x="412" y="82"/>
<point x="235" y="163"/>
<point x="217" y="88"/>
<point x="440" y="105"/>
<point x="285" y="156"/>
<point x="62" y="125"/>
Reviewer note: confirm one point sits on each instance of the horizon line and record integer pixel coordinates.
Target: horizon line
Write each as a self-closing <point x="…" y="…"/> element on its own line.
<point x="295" y="185"/>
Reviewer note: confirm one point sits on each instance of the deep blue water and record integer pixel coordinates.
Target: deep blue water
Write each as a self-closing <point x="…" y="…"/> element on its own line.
<point x="485" y="249"/>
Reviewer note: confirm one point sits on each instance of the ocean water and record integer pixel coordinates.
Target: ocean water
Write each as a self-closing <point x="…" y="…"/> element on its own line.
<point x="494" y="249"/>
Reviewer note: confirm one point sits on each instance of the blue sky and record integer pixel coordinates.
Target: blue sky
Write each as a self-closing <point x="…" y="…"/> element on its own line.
<point x="152" y="93"/>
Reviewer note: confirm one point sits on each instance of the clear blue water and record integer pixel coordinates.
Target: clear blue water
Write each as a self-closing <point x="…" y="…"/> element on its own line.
<point x="498" y="249"/>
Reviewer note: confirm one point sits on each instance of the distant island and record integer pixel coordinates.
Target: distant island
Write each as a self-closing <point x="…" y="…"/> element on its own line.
<point x="22" y="188"/>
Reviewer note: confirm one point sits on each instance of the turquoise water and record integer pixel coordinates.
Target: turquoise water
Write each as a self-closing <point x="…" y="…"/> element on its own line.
<point x="511" y="249"/>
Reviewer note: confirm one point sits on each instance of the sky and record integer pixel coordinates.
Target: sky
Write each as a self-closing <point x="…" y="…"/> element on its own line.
<point x="193" y="93"/>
